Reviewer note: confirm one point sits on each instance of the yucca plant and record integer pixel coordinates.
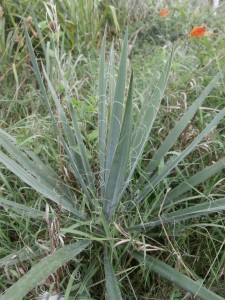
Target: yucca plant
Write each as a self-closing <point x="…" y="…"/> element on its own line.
<point x="110" y="213"/>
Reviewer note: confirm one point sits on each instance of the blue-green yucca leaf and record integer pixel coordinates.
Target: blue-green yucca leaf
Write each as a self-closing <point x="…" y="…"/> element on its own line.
<point x="63" y="119"/>
<point x="47" y="169"/>
<point x="82" y="150"/>
<point x="196" y="288"/>
<point x="174" y="162"/>
<point x="191" y="212"/>
<point x="191" y="182"/>
<point x="112" y="287"/>
<point x="43" y="269"/>
<point x="176" y="195"/>
<point x="32" y="164"/>
<point x="18" y="256"/>
<point x="110" y="82"/>
<point x="80" y="159"/>
<point x="79" y="149"/>
<point x="78" y="175"/>
<point x="38" y="185"/>
<point x="180" y="126"/>
<point x="77" y="167"/>
<point x="102" y="113"/>
<point x="35" y="175"/>
<point x="117" y="109"/>
<point x="150" y="106"/>
<point x="146" y="119"/>
<point x="112" y="78"/>
<point x="120" y="161"/>
<point x="22" y="209"/>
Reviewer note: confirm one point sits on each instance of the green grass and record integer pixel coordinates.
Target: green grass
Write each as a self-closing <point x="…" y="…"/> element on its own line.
<point x="194" y="247"/>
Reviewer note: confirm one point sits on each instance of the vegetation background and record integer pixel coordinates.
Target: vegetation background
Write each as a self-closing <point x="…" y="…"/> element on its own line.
<point x="112" y="149"/>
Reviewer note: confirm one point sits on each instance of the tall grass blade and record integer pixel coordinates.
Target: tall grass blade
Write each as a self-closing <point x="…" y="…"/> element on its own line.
<point x="43" y="269"/>
<point x="38" y="76"/>
<point x="38" y="30"/>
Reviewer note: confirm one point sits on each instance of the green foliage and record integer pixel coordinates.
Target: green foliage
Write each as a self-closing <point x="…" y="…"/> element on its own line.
<point x="115" y="195"/>
<point x="119" y="156"/>
<point x="79" y="22"/>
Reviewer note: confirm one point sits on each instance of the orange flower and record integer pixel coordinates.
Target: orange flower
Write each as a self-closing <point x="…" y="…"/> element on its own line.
<point x="198" y="32"/>
<point x="164" y="12"/>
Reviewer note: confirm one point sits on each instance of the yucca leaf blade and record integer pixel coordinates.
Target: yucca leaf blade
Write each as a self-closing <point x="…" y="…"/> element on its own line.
<point x="191" y="182"/>
<point x="62" y="120"/>
<point x="22" y="209"/>
<point x="146" y="120"/>
<point x="81" y="158"/>
<point x="195" y="288"/>
<point x="180" y="215"/>
<point x="78" y="175"/>
<point x="82" y="150"/>
<point x="37" y="185"/>
<point x="43" y="269"/>
<point x="112" y="287"/>
<point x="172" y="164"/>
<point x="120" y="162"/>
<point x="32" y="164"/>
<point x="102" y="113"/>
<point x="180" y="125"/>
<point x="117" y="108"/>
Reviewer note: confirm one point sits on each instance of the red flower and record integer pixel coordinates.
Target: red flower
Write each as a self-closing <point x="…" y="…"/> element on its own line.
<point x="198" y="32"/>
<point x="164" y="12"/>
